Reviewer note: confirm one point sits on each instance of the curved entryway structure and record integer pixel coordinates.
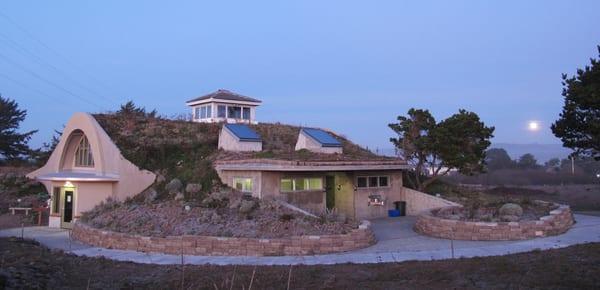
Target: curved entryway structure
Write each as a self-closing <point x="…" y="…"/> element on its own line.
<point x="86" y="168"/>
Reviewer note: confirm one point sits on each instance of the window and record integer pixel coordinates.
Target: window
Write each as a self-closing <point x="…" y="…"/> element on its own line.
<point x="361" y="182"/>
<point x="300" y="184"/>
<point x="196" y="113"/>
<point x="383" y="181"/>
<point x="83" y="154"/>
<point x="246" y="112"/>
<point x="203" y="112"/>
<point x="372" y="181"/>
<point x="234" y="112"/>
<point x="209" y="111"/>
<point x="56" y="200"/>
<point x="243" y="184"/>
<point x="221" y="110"/>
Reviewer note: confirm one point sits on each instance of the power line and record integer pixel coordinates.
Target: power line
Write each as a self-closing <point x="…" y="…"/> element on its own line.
<point x="41" y="43"/>
<point x="40" y="61"/>
<point x="34" y="74"/>
<point x="24" y="85"/>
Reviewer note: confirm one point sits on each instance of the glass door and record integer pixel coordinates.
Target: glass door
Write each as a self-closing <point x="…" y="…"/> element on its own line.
<point x="67" y="205"/>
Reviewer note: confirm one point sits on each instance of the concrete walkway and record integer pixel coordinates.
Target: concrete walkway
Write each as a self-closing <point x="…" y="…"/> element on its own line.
<point x="397" y="242"/>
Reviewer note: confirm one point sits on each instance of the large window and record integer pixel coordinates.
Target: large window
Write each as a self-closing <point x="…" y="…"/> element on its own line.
<point x="234" y="112"/>
<point x="222" y="111"/>
<point x="372" y="181"/>
<point x="243" y="184"/>
<point x="83" y="154"/>
<point x="246" y="112"/>
<point x="300" y="184"/>
<point x="196" y="113"/>
<point x="203" y="112"/>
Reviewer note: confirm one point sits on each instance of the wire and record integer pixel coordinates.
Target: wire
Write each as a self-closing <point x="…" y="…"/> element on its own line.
<point x="48" y="82"/>
<point x="24" y="85"/>
<point x="41" y="61"/>
<point x="41" y="43"/>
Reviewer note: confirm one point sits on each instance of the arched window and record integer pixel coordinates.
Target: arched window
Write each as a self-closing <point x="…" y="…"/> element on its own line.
<point x="83" y="154"/>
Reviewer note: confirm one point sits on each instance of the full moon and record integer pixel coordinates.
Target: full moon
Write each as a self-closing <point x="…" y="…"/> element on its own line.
<point x="533" y="126"/>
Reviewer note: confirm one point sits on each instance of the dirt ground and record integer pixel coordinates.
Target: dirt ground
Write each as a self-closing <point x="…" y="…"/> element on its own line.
<point x="25" y="264"/>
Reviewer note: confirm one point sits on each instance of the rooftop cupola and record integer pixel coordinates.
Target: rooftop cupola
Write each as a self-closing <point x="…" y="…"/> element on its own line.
<point x="224" y="106"/>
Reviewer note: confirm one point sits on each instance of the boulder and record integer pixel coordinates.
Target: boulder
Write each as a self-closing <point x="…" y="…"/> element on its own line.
<point x="174" y="185"/>
<point x="509" y="218"/>
<point x="150" y="195"/>
<point x="193" y="188"/>
<point x="510" y="209"/>
<point x="179" y="196"/>
<point x="215" y="200"/>
<point x="247" y="206"/>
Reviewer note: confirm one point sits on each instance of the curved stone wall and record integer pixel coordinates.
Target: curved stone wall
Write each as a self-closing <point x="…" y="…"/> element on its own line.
<point x="556" y="222"/>
<point x="227" y="246"/>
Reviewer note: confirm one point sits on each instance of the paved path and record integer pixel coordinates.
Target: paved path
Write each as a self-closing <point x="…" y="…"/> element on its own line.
<point x="397" y="242"/>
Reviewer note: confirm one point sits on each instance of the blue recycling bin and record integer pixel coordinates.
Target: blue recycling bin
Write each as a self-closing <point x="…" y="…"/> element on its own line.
<point x="393" y="213"/>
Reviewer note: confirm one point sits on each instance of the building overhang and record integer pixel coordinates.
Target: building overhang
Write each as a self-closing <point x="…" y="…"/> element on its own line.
<point x="222" y="101"/>
<point x="78" y="176"/>
<point x="312" y="166"/>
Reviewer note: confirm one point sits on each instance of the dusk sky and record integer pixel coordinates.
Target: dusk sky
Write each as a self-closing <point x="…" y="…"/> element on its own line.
<point x="351" y="66"/>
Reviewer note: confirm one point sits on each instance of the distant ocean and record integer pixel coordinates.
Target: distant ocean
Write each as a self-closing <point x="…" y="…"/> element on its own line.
<point x="542" y="152"/>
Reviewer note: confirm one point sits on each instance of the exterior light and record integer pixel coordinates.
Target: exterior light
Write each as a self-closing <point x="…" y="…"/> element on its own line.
<point x="69" y="184"/>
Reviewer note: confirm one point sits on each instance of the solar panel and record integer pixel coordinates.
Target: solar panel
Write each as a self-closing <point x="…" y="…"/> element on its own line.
<point x="243" y="132"/>
<point x="322" y="137"/>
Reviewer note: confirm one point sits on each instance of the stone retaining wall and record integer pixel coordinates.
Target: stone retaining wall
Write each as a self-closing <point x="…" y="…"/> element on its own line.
<point x="557" y="222"/>
<point x="227" y="246"/>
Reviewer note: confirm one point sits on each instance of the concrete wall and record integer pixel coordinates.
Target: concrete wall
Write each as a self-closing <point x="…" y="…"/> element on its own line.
<point x="349" y="200"/>
<point x="391" y="193"/>
<point x="306" y="142"/>
<point x="86" y="195"/>
<point x="229" y="142"/>
<point x="418" y="202"/>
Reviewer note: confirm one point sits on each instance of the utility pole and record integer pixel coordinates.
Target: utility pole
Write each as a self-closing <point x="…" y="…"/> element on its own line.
<point x="572" y="165"/>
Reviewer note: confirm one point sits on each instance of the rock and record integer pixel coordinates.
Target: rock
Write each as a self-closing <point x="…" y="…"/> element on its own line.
<point x="174" y="185"/>
<point x="509" y="218"/>
<point x="247" y="206"/>
<point x="510" y="209"/>
<point x="187" y="208"/>
<point x="151" y="195"/>
<point x="235" y="203"/>
<point x="179" y="196"/>
<point x="216" y="200"/>
<point x="453" y="217"/>
<point x="193" y="188"/>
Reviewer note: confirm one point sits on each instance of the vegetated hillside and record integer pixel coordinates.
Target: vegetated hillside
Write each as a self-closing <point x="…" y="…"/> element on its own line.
<point x="186" y="150"/>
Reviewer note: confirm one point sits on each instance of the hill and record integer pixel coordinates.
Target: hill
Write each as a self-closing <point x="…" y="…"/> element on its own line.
<point x="186" y="150"/>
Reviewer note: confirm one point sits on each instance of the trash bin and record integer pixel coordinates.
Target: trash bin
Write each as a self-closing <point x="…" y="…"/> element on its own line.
<point x="401" y="207"/>
<point x="393" y="213"/>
